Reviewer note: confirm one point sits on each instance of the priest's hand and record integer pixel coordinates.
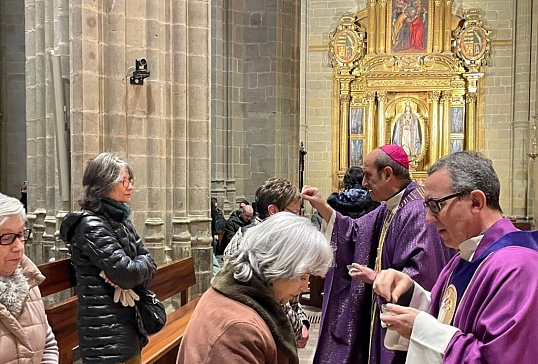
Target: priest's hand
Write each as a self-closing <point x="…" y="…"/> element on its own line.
<point x="362" y="273"/>
<point x="313" y="195"/>
<point x="400" y="319"/>
<point x="392" y="284"/>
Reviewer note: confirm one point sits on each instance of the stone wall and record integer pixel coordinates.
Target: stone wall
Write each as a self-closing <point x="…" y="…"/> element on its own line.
<point x="162" y="126"/>
<point x="12" y="96"/>
<point x="256" y="95"/>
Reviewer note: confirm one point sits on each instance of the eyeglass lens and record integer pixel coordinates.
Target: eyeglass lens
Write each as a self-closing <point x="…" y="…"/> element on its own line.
<point x="126" y="182"/>
<point x="9" y="238"/>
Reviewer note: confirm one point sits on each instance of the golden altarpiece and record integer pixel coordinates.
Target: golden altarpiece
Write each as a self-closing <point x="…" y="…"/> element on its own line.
<point x="408" y="72"/>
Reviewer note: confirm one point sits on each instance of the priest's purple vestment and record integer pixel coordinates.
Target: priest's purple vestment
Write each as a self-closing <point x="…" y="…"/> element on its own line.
<point x="498" y="313"/>
<point x="411" y="245"/>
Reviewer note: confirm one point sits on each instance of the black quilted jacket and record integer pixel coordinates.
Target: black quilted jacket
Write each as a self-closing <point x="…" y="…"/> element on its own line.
<point x="106" y="241"/>
<point x="354" y="202"/>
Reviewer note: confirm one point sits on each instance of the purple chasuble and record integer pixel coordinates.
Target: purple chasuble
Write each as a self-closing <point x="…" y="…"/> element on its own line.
<point x="411" y="246"/>
<point x="497" y="315"/>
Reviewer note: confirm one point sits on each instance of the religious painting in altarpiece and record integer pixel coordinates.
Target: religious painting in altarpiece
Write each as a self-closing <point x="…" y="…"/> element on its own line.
<point x="407" y="72"/>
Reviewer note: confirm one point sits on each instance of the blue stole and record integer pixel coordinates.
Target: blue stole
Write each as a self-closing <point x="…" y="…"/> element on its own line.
<point x="465" y="271"/>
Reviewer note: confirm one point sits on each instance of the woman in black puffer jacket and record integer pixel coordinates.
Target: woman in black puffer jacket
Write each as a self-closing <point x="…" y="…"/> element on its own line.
<point x="104" y="242"/>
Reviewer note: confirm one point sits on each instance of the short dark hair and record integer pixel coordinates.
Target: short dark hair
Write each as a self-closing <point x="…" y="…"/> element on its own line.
<point x="278" y="192"/>
<point x="353" y="177"/>
<point x="244" y="202"/>
<point x="469" y="171"/>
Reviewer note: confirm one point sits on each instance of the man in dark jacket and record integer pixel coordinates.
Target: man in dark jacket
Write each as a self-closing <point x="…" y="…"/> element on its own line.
<point x="237" y="220"/>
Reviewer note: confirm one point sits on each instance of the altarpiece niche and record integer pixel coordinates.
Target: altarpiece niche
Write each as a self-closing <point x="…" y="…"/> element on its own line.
<point x="407" y="72"/>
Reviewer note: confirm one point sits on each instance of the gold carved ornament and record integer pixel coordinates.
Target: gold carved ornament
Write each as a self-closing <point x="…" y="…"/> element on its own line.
<point x="347" y="43"/>
<point x="472" y="42"/>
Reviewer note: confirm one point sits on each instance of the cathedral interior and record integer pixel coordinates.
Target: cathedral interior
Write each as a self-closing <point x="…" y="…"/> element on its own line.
<point x="211" y="98"/>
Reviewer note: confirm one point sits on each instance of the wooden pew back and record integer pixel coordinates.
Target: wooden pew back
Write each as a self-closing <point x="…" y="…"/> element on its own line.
<point x="170" y="279"/>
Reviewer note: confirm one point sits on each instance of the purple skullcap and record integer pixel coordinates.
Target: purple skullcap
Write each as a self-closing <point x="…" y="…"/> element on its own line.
<point x="397" y="154"/>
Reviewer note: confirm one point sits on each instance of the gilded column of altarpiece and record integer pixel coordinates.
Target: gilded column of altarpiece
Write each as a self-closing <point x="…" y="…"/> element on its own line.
<point x="407" y="72"/>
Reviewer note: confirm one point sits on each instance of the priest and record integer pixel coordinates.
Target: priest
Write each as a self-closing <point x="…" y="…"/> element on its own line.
<point x="395" y="235"/>
<point x="482" y="308"/>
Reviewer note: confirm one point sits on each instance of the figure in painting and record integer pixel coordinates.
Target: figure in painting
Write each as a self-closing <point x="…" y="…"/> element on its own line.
<point x="416" y="30"/>
<point x="406" y="133"/>
<point x="408" y="25"/>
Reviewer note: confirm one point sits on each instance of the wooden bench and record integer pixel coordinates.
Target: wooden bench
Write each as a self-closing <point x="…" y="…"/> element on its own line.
<point x="170" y="279"/>
<point x="314" y="296"/>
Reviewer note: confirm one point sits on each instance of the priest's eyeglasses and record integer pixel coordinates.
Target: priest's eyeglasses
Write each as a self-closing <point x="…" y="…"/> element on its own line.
<point x="434" y="204"/>
<point x="9" y="238"/>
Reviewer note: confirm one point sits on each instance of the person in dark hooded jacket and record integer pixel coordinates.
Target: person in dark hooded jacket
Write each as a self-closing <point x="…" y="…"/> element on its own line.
<point x="110" y="263"/>
<point x="355" y="200"/>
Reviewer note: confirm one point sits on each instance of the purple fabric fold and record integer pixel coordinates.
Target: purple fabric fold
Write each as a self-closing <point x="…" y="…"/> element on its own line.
<point x="411" y="246"/>
<point x="498" y="315"/>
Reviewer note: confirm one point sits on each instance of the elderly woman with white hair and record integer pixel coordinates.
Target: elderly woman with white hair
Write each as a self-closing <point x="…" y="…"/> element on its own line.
<point x="240" y="318"/>
<point x="25" y="334"/>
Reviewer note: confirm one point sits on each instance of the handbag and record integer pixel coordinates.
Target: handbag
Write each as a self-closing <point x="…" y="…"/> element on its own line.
<point x="151" y="311"/>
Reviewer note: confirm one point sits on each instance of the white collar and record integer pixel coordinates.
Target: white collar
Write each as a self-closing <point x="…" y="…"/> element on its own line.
<point x="469" y="246"/>
<point x="394" y="201"/>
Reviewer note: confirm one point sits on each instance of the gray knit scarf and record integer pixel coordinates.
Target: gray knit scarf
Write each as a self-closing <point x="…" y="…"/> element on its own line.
<point x="258" y="296"/>
<point x="14" y="291"/>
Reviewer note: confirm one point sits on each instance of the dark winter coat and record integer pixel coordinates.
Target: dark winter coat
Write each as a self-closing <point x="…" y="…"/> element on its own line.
<point x="353" y="202"/>
<point x="107" y="241"/>
<point x="218" y="222"/>
<point x="233" y="224"/>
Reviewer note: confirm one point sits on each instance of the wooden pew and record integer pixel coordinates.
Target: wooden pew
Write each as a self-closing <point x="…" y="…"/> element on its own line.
<point x="170" y="279"/>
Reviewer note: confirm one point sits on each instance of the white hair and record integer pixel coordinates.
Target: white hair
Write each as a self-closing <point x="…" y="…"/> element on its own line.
<point x="10" y="206"/>
<point x="283" y="246"/>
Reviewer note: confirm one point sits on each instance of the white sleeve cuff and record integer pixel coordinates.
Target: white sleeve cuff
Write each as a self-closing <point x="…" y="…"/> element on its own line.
<point x="421" y="298"/>
<point x="327" y="227"/>
<point x="421" y="301"/>
<point x="429" y="340"/>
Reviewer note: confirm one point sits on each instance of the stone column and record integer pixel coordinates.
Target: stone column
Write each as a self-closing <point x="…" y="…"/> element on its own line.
<point x="180" y="244"/>
<point x="219" y="101"/>
<point x="38" y="230"/>
<point x="521" y="108"/>
<point x="12" y="97"/>
<point x="198" y="139"/>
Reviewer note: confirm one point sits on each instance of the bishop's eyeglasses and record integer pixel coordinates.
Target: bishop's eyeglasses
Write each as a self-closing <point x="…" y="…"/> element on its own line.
<point x="9" y="238"/>
<point x="434" y="204"/>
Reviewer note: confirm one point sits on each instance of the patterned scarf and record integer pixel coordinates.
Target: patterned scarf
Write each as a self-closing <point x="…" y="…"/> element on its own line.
<point x="14" y="291"/>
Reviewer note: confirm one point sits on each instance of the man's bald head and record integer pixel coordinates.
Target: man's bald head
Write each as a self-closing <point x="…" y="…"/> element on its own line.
<point x="246" y="212"/>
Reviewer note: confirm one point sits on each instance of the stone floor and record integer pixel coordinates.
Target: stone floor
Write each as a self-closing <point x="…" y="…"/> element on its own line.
<point x="306" y="355"/>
